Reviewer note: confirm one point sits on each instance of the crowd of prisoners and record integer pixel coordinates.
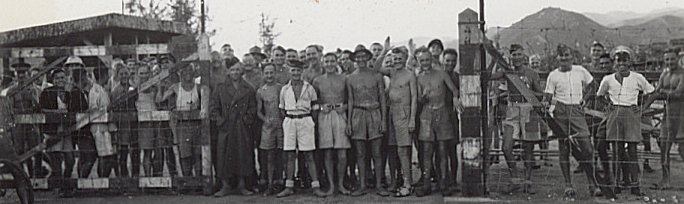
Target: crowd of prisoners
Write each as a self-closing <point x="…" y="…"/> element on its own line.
<point x="346" y="121"/>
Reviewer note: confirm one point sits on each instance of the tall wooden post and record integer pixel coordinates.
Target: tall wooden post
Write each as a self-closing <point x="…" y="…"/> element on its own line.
<point x="470" y="41"/>
<point x="203" y="51"/>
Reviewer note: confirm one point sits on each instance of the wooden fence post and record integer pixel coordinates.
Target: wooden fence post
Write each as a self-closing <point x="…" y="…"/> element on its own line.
<point x="470" y="40"/>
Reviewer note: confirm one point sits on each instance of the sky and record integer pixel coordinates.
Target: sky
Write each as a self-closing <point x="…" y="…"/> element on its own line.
<point x="331" y="23"/>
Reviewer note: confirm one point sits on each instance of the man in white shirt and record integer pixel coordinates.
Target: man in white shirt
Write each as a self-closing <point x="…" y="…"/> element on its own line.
<point x="564" y="87"/>
<point x="623" y="124"/>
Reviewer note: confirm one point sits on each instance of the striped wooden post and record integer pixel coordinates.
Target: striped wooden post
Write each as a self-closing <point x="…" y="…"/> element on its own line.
<point x="203" y="51"/>
<point x="470" y="40"/>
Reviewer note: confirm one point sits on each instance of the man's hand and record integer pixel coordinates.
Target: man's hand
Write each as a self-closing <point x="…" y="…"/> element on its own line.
<point x="387" y="43"/>
<point x="411" y="46"/>
<point x="325" y="108"/>
<point x="412" y="126"/>
<point x="383" y="128"/>
<point x="348" y="130"/>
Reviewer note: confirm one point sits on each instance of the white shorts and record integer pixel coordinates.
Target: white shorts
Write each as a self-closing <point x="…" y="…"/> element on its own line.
<point x="298" y="134"/>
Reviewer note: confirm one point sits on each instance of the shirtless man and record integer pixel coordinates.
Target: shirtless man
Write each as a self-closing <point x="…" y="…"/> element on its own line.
<point x="449" y="61"/>
<point x="403" y="102"/>
<point x="272" y="129"/>
<point x="671" y="88"/>
<point x="366" y="107"/>
<point x="278" y="58"/>
<point x="435" y="127"/>
<point x="332" y="122"/>
<point x="313" y="60"/>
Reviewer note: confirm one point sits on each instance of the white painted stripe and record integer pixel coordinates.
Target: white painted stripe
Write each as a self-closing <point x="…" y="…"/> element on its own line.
<point x="206" y="160"/>
<point x="92" y="50"/>
<point x="155" y="182"/>
<point x="94" y="183"/>
<point x="151" y="49"/>
<point x="470" y="90"/>
<point x="27" y="52"/>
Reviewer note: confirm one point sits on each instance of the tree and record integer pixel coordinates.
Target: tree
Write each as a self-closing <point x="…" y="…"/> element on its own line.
<point x="267" y="33"/>
<point x="184" y="11"/>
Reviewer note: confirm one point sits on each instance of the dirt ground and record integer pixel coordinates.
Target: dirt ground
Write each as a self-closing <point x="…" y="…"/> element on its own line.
<point x="548" y="182"/>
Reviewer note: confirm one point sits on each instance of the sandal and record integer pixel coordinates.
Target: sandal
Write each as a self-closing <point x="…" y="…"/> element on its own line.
<point x="403" y="192"/>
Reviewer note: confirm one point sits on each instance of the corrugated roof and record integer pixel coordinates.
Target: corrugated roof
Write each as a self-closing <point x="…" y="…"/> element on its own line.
<point x="106" y="21"/>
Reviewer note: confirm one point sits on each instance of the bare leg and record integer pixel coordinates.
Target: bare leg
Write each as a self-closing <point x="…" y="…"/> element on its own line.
<point x="393" y="164"/>
<point x="453" y="161"/>
<point x="341" y="166"/>
<point x="123" y="162"/>
<point x="405" y="159"/>
<point x="442" y="151"/>
<point x="361" y="163"/>
<point x="311" y="163"/>
<point x="428" y="153"/>
<point x="289" y="171"/>
<point x="376" y="146"/>
<point x="270" y="170"/>
<point x="328" y="162"/>
<point x="528" y="159"/>
<point x="507" y="148"/>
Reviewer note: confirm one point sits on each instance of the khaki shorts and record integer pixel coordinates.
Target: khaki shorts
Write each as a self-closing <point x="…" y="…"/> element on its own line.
<point x="271" y="134"/>
<point x="524" y="122"/>
<point x="299" y="134"/>
<point x="331" y="131"/>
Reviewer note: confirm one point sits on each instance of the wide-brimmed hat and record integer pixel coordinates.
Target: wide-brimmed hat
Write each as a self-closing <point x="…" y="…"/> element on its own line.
<point x="295" y="63"/>
<point x="256" y="51"/>
<point x="362" y="51"/>
<point x="74" y="60"/>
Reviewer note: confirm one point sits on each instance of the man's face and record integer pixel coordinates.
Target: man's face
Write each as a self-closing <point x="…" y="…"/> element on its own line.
<point x="250" y="62"/>
<point x="388" y="61"/>
<point x="60" y="79"/>
<point x="535" y="64"/>
<point x="302" y="55"/>
<point x="564" y="58"/>
<point x="622" y="62"/>
<point x="362" y="59"/>
<point x="605" y="64"/>
<point x="435" y="50"/>
<point x="291" y="56"/>
<point x="376" y="50"/>
<point x="330" y="64"/>
<point x="144" y="73"/>
<point x="425" y="61"/>
<point x="269" y="74"/>
<point x="312" y="55"/>
<point x="22" y="76"/>
<point x="235" y="73"/>
<point x="596" y="52"/>
<point x="450" y="62"/>
<point x="670" y="60"/>
<point x="227" y="51"/>
<point x="399" y="60"/>
<point x="344" y="58"/>
<point x="278" y="57"/>
<point x="295" y="73"/>
<point x="123" y="74"/>
<point x="517" y="57"/>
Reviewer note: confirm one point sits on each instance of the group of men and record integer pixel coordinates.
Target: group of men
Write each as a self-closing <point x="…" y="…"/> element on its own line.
<point x="343" y="116"/>
<point x="73" y="88"/>
<point x="335" y="112"/>
<point x="613" y="87"/>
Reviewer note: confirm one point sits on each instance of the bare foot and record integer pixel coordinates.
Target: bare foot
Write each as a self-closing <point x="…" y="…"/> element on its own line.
<point x="318" y="192"/>
<point x="246" y="192"/>
<point x="286" y="192"/>
<point x="343" y="190"/>
<point x="383" y="192"/>
<point x="359" y="192"/>
<point x="223" y="192"/>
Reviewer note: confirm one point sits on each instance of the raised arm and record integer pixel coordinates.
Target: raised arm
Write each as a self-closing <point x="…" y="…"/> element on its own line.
<point x="168" y="93"/>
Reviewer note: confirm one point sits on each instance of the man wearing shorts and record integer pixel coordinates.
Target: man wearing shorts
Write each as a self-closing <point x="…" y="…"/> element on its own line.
<point x="332" y="122"/>
<point x="297" y="99"/>
<point x="435" y="125"/>
<point x="366" y="107"/>
<point x="271" y="128"/>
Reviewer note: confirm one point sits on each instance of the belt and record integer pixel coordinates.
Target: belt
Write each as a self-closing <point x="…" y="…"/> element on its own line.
<point x="298" y="116"/>
<point x="366" y="108"/>
<point x="623" y="106"/>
